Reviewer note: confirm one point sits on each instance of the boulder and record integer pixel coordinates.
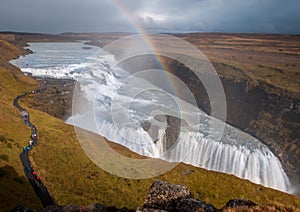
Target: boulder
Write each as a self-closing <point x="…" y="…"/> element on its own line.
<point x="239" y="202"/>
<point x="165" y="196"/>
<point x="188" y="205"/>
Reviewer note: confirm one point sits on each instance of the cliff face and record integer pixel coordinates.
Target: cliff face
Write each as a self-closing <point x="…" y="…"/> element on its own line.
<point x="257" y="106"/>
<point x="273" y="117"/>
<point x="269" y="113"/>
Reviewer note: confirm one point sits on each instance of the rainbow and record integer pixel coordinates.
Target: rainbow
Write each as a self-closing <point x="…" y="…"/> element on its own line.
<point x="134" y="23"/>
<point x="140" y="29"/>
<point x="204" y="70"/>
<point x="185" y="49"/>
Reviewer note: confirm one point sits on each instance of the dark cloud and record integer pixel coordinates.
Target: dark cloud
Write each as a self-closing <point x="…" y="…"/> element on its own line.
<point x="55" y="16"/>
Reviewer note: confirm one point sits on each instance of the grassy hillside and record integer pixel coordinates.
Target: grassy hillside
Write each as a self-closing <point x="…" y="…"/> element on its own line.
<point x="15" y="188"/>
<point x="71" y="178"/>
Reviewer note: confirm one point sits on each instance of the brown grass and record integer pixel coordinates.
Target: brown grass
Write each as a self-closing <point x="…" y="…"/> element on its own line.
<point x="270" y="58"/>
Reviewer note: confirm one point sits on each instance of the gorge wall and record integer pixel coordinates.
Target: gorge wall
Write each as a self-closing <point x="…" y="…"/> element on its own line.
<point x="268" y="113"/>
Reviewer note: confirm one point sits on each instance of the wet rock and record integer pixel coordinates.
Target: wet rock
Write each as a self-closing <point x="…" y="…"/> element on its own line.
<point x="146" y="125"/>
<point x="172" y="132"/>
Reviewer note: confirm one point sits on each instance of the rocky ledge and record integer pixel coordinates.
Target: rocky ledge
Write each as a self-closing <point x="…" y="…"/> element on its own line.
<point x="162" y="196"/>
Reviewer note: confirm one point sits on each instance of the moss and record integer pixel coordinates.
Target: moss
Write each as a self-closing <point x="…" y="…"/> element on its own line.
<point x="9" y="145"/>
<point x="4" y="157"/>
<point x="2" y="139"/>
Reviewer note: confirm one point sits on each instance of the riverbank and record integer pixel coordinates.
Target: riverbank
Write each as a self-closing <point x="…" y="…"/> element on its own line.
<point x="54" y="97"/>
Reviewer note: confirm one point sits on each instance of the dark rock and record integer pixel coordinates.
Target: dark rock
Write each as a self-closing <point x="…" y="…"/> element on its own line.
<point x="89" y="208"/>
<point x="86" y="47"/>
<point x="94" y="208"/>
<point x="54" y="97"/>
<point x="146" y="125"/>
<point x="188" y="172"/>
<point x="21" y="208"/>
<point x="165" y="196"/>
<point x="54" y="208"/>
<point x="172" y="132"/>
<point x="239" y="202"/>
<point x="187" y="205"/>
<point x="149" y="210"/>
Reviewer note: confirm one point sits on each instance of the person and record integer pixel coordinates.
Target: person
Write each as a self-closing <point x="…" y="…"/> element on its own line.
<point x="30" y="143"/>
<point x="39" y="181"/>
<point x="33" y="173"/>
<point x="26" y="148"/>
<point x="33" y="136"/>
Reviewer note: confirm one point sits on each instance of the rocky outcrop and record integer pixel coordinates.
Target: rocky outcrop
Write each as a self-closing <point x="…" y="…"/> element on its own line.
<point x="54" y="97"/>
<point x="163" y="196"/>
<point x="172" y="130"/>
<point x="239" y="202"/>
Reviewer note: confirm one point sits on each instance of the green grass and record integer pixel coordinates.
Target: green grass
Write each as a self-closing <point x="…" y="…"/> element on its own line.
<point x="4" y="157"/>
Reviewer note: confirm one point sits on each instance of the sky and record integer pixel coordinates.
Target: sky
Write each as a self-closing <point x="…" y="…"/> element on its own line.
<point x="177" y="16"/>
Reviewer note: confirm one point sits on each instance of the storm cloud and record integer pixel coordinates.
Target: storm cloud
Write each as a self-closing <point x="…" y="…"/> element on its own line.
<point x="57" y="16"/>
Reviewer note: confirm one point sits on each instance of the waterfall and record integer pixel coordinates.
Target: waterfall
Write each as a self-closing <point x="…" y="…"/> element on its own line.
<point x="235" y="153"/>
<point x="254" y="162"/>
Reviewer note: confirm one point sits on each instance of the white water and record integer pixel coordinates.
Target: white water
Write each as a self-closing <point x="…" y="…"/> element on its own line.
<point x="236" y="153"/>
